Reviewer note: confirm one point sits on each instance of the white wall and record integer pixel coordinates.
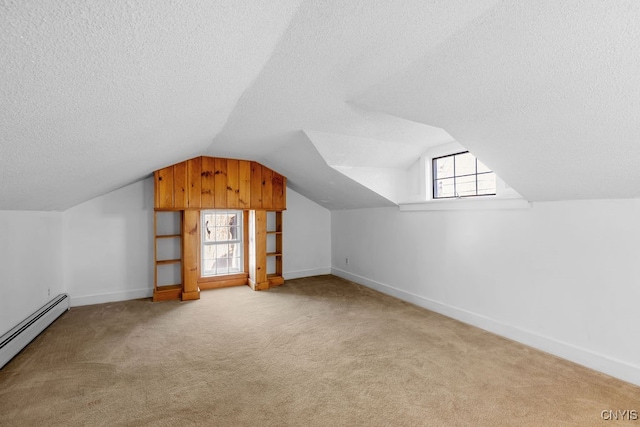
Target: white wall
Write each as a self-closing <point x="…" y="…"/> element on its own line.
<point x="31" y="262"/>
<point x="306" y="238"/>
<point x="562" y="276"/>
<point x="108" y="243"/>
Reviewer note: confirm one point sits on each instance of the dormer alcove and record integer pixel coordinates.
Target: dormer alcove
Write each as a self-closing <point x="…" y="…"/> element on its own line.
<point x="217" y="223"/>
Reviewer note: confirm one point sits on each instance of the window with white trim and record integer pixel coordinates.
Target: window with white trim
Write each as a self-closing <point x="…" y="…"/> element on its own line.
<point x="222" y="242"/>
<point x="461" y="175"/>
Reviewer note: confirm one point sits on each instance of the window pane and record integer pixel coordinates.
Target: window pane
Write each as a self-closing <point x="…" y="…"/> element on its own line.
<point x="209" y="229"/>
<point x="456" y="176"/>
<point x="233" y="226"/>
<point x="221" y="262"/>
<point x="235" y="265"/>
<point x="486" y="184"/>
<point x="209" y="255"/>
<point x="466" y="186"/>
<point x="443" y="167"/>
<point x="465" y="164"/>
<point x="222" y="249"/>
<point x="234" y="233"/>
<point x="444" y="188"/>
<point x="222" y="231"/>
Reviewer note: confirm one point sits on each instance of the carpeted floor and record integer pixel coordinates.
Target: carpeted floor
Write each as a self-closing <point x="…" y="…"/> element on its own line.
<point x="318" y="351"/>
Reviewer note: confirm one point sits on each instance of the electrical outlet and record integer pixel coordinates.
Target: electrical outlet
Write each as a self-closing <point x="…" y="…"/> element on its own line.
<point x="346" y="260"/>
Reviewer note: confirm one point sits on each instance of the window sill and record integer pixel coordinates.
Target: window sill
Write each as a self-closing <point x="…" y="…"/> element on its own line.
<point x="465" y="204"/>
<point x="215" y="282"/>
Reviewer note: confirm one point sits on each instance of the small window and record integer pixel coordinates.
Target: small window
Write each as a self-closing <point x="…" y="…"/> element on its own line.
<point x="222" y="242"/>
<point x="462" y="175"/>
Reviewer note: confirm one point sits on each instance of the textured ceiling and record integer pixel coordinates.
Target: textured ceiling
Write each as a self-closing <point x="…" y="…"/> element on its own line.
<point x="97" y="94"/>
<point x="546" y="93"/>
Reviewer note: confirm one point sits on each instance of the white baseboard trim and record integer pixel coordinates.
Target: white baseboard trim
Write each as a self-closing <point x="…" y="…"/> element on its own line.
<point x="147" y="293"/>
<point x="590" y="359"/>
<point x="297" y="274"/>
<point x="111" y="297"/>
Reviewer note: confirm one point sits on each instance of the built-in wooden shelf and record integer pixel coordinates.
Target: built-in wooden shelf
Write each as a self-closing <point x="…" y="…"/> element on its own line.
<point x="167" y="288"/>
<point x="275" y="229"/>
<point x="168" y="261"/>
<point x="202" y="183"/>
<point x="166" y="228"/>
<point x="168" y="292"/>
<point x="275" y="279"/>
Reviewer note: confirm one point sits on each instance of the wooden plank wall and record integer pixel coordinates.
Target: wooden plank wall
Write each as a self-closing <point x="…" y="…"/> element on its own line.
<point x="216" y="183"/>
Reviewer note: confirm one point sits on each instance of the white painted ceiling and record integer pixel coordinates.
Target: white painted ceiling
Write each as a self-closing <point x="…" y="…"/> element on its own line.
<point x="95" y="95"/>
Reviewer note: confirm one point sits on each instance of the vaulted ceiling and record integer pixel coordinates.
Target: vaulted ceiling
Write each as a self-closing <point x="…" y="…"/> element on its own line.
<point x="95" y="95"/>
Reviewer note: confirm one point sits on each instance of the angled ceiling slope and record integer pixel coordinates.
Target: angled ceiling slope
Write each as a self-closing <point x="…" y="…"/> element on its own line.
<point x="546" y="93"/>
<point x="97" y="94"/>
<point x="331" y="52"/>
<point x="381" y="166"/>
<point x="324" y="185"/>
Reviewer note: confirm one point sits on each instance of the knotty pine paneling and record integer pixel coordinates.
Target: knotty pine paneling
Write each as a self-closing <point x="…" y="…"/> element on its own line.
<point x="216" y="183"/>
<point x="244" y="187"/>
<point x="207" y="190"/>
<point x="267" y="188"/>
<point x="194" y="183"/>
<point x="233" y="184"/>
<point x="256" y="185"/>
<point x="180" y="185"/>
<point x="278" y="190"/>
<point x="220" y="180"/>
<point x="164" y="188"/>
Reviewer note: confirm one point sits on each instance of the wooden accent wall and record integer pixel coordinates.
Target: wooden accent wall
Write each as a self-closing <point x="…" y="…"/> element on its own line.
<point x="216" y="183"/>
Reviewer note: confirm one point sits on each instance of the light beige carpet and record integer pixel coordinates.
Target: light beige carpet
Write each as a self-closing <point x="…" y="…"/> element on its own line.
<point x="318" y="351"/>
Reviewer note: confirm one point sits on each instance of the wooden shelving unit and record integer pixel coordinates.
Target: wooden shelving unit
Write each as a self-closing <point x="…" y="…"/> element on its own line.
<point x="274" y="251"/>
<point x="265" y="249"/>
<point x="186" y="189"/>
<point x="167" y="250"/>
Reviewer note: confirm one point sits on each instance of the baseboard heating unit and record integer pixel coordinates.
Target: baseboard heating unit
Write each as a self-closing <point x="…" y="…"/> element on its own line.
<point x="17" y="338"/>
